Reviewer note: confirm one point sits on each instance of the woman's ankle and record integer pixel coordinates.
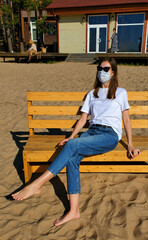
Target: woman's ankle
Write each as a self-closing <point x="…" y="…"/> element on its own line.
<point x="46" y="176"/>
<point x="74" y="211"/>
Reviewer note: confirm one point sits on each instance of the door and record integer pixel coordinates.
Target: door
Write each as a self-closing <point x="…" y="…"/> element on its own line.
<point x="98" y="39"/>
<point x="102" y="39"/>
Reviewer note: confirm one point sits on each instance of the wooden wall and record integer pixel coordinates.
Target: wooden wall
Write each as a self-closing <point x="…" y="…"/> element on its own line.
<point x="72" y="34"/>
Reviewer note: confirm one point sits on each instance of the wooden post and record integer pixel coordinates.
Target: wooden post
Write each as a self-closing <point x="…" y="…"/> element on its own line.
<point x="86" y="49"/>
<point x="58" y="41"/>
<point x="27" y="169"/>
<point x="30" y="117"/>
<point x="22" y="25"/>
<point x="108" y="34"/>
<point x="145" y="33"/>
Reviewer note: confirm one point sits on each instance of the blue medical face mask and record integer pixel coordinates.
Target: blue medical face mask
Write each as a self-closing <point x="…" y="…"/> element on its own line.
<point x="103" y="76"/>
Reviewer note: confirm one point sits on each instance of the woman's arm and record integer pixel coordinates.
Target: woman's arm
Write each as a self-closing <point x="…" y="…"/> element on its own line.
<point x="80" y="124"/>
<point x="128" y="129"/>
<point x="33" y="47"/>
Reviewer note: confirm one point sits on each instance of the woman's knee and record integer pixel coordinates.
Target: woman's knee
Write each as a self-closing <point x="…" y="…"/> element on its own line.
<point x="73" y="144"/>
<point x="72" y="141"/>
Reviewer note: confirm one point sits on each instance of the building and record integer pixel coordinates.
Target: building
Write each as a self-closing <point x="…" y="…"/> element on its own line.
<point x="29" y="30"/>
<point x="86" y="26"/>
<point x="1" y="2"/>
<point x="1" y="27"/>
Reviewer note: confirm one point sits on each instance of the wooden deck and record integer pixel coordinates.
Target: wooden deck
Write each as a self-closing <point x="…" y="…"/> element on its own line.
<point x="140" y="58"/>
<point x="124" y="55"/>
<point x="39" y="55"/>
<point x="76" y="57"/>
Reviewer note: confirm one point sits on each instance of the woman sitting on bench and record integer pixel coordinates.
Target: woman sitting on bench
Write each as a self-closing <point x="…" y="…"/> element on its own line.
<point x="31" y="50"/>
<point x="108" y="105"/>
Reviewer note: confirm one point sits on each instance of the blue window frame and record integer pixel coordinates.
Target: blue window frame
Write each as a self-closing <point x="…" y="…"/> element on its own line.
<point x="146" y="45"/>
<point x="130" y="18"/>
<point x="130" y="32"/>
<point x="98" y="20"/>
<point x="97" y="33"/>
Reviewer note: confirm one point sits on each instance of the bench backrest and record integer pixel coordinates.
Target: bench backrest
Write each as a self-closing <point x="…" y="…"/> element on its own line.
<point x="65" y="109"/>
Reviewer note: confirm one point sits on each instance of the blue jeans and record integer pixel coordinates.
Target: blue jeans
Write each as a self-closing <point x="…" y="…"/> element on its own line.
<point x="96" y="140"/>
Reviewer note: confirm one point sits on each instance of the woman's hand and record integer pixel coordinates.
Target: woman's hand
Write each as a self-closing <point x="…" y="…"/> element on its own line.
<point x="133" y="151"/>
<point x="64" y="141"/>
<point x="80" y="124"/>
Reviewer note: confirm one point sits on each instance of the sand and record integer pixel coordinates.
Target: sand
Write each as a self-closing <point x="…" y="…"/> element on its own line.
<point x="112" y="206"/>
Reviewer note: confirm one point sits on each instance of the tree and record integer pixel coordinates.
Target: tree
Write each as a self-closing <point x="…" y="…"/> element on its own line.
<point x="8" y="23"/>
<point x="11" y="18"/>
<point x="38" y="6"/>
<point x="11" y="22"/>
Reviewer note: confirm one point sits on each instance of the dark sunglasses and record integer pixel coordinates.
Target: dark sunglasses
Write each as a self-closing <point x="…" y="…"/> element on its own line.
<point x="105" y="69"/>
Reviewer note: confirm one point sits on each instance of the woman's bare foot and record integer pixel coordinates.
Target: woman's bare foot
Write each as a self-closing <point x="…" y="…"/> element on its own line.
<point x="68" y="217"/>
<point x="34" y="187"/>
<point x="27" y="192"/>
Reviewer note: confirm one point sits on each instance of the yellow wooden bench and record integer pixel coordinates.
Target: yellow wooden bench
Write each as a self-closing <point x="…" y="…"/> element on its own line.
<point x="58" y="112"/>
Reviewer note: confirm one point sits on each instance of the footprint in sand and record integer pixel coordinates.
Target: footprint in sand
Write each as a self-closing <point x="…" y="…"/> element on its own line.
<point x="141" y="230"/>
<point x="130" y="194"/>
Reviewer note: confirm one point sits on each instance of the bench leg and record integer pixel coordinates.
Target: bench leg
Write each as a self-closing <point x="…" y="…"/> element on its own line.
<point x="27" y="170"/>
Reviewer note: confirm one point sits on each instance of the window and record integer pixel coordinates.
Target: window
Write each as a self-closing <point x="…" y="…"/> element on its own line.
<point x="98" y="20"/>
<point x="130" y="32"/>
<point x="92" y="40"/>
<point x="146" y="46"/>
<point x="33" y="30"/>
<point x="51" y="29"/>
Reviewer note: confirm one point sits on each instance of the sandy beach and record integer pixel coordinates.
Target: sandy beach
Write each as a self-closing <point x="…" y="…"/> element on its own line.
<point x="112" y="206"/>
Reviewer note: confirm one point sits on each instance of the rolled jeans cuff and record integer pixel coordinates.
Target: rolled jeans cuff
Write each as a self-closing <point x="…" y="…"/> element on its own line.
<point x="53" y="172"/>
<point x="78" y="192"/>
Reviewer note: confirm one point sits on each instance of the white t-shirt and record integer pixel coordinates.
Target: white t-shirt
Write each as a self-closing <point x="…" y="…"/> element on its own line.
<point x="106" y="111"/>
<point x="33" y="47"/>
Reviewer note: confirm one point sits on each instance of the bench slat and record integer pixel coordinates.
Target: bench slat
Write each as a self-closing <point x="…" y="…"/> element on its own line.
<point x="77" y="96"/>
<point x="53" y="110"/>
<point x="42" y="148"/>
<point x="116" y="156"/>
<point x="102" y="168"/>
<point x="138" y="110"/>
<point x="136" y="123"/>
<point x="137" y="96"/>
<point x="56" y="96"/>
<point x="49" y="146"/>
<point x="139" y="123"/>
<point x="49" y="142"/>
<point x="39" y="137"/>
<point x="52" y="123"/>
<point x="115" y="168"/>
<point x="75" y="110"/>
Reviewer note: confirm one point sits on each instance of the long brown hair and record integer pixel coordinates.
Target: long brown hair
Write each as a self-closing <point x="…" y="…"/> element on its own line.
<point x="113" y="81"/>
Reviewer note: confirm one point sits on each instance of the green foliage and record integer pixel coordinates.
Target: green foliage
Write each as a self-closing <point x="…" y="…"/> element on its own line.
<point x="41" y="24"/>
<point x="11" y="15"/>
<point x="45" y="3"/>
<point x="45" y="27"/>
<point x="17" y="5"/>
<point x="31" y="5"/>
<point x="7" y="16"/>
